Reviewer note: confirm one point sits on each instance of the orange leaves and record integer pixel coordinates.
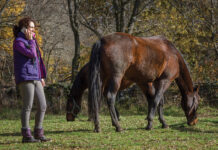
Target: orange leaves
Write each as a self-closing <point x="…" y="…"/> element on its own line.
<point x="13" y="8"/>
<point x="9" y="15"/>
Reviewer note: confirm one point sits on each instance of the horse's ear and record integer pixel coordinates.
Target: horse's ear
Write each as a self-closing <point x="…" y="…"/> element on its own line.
<point x="196" y="89"/>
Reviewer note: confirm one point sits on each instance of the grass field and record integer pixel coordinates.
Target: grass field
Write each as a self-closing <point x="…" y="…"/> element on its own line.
<point x="80" y="135"/>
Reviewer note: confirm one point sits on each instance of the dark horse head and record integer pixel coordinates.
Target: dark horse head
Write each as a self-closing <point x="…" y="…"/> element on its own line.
<point x="73" y="108"/>
<point x="190" y="105"/>
<point x="75" y="96"/>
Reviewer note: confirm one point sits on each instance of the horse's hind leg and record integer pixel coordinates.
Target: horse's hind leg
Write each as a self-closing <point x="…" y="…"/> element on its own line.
<point x="117" y="113"/>
<point x="111" y="101"/>
<point x="160" y="112"/>
<point x="90" y="117"/>
<point x="110" y="94"/>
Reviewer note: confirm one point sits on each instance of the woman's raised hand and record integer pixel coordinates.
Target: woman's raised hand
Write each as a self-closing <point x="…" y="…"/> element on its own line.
<point x="28" y="34"/>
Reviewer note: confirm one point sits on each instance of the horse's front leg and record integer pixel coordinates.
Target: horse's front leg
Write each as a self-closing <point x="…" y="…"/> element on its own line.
<point x="152" y="107"/>
<point x="160" y="112"/>
<point x="151" y="113"/>
<point x="111" y="97"/>
<point x="155" y="98"/>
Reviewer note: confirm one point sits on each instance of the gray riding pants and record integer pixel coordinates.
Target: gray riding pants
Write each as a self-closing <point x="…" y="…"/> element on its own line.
<point x="30" y="90"/>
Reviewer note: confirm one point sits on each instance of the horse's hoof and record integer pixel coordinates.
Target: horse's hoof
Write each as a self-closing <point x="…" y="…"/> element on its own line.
<point x="148" y="128"/>
<point x="97" y="130"/>
<point x="119" y="129"/>
<point x="89" y="119"/>
<point x="165" y="126"/>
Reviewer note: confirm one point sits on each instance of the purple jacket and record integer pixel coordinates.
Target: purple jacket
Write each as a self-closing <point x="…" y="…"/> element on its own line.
<point x="28" y="63"/>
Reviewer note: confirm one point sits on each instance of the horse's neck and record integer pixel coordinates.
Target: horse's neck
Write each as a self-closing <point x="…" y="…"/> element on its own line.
<point x="184" y="80"/>
<point x="77" y="89"/>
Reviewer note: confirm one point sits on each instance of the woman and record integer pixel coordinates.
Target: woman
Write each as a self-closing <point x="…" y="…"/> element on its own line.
<point x="29" y="73"/>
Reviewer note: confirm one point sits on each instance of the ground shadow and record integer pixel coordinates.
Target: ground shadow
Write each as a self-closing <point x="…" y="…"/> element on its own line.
<point x="11" y="134"/>
<point x="9" y="142"/>
<point x="130" y="129"/>
<point x="211" y="121"/>
<point x="69" y="131"/>
<point x="182" y="127"/>
<point x="46" y="133"/>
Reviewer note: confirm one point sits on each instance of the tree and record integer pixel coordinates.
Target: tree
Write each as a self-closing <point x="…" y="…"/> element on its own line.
<point x="103" y="17"/>
<point x="10" y="10"/>
<point x="55" y="37"/>
<point x="188" y="24"/>
<point x="125" y="18"/>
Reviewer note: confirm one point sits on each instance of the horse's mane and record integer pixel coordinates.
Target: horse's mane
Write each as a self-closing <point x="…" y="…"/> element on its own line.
<point x="77" y="81"/>
<point x="184" y="69"/>
<point x="78" y="84"/>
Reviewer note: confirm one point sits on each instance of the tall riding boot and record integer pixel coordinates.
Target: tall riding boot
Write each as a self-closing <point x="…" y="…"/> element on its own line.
<point x="27" y="137"/>
<point x="39" y="134"/>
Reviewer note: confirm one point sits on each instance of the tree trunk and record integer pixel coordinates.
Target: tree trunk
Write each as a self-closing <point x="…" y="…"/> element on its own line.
<point x="75" y="29"/>
<point x="213" y="26"/>
<point x="127" y="24"/>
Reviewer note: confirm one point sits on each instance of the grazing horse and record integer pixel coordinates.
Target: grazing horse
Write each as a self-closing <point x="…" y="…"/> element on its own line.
<point x="74" y="101"/>
<point x="80" y="84"/>
<point x="152" y="63"/>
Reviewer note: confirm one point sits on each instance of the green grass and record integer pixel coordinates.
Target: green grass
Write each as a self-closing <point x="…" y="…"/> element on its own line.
<point x="80" y="135"/>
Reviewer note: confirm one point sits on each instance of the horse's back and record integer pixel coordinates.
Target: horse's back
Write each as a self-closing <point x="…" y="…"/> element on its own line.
<point x="139" y="58"/>
<point x="164" y="57"/>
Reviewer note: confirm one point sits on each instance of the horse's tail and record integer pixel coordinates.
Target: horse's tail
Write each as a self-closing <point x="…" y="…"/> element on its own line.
<point x="95" y="81"/>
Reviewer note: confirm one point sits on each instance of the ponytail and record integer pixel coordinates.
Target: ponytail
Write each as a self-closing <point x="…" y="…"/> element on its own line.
<point x="22" y="23"/>
<point x="16" y="30"/>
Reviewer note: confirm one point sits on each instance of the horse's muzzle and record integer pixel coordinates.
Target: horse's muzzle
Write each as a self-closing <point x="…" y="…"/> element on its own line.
<point x="193" y="122"/>
<point x="70" y="117"/>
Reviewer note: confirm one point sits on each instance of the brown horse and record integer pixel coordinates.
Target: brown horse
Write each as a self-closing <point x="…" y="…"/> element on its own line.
<point x="80" y="84"/>
<point x="152" y="63"/>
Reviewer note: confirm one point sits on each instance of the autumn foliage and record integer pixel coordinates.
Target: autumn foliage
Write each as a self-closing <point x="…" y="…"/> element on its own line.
<point x="190" y="25"/>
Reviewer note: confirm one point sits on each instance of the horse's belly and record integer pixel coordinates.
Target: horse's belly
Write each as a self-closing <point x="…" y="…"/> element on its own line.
<point x="138" y="75"/>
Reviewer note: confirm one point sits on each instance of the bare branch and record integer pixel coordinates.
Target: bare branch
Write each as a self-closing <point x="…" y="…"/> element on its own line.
<point x="116" y="14"/>
<point x="143" y="7"/>
<point x="73" y="17"/>
<point x="133" y="15"/>
<point x="89" y="26"/>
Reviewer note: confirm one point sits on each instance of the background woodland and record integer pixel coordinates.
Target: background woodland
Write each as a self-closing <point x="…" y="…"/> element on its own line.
<point x="66" y="30"/>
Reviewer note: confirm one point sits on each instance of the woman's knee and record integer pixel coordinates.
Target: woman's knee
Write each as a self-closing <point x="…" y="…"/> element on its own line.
<point x="44" y="107"/>
<point x="27" y="105"/>
<point x="27" y="108"/>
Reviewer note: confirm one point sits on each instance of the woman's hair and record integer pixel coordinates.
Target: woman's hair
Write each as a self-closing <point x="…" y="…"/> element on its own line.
<point x="24" y="22"/>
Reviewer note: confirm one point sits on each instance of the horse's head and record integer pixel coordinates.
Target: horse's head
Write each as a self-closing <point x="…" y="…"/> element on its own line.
<point x="73" y="108"/>
<point x="190" y="106"/>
